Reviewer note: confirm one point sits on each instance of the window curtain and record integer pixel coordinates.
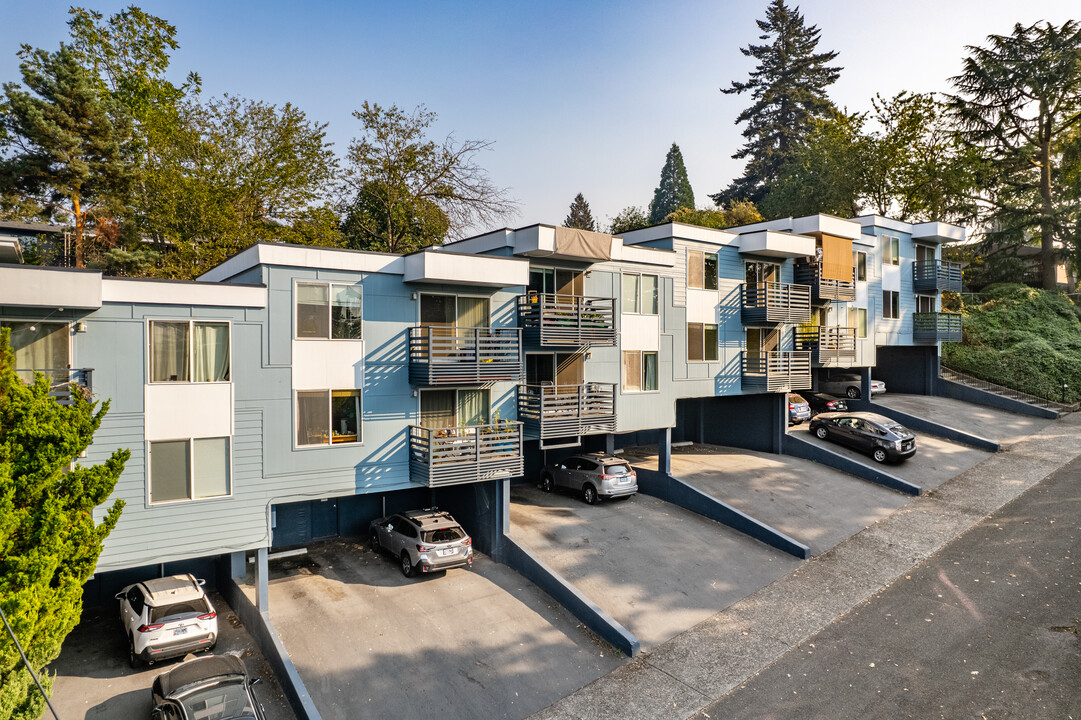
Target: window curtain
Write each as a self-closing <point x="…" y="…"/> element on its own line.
<point x="649" y="294"/>
<point x="649" y="371"/>
<point x="313" y="311"/>
<point x="313" y="418"/>
<point x="40" y="347"/>
<point x="472" y="407"/>
<point x="632" y="370"/>
<point x="211" y="473"/>
<point x="169" y="352"/>
<point x="630" y="293"/>
<point x="694" y="268"/>
<point x="473" y="312"/>
<point x="210" y="352"/>
<point x="437" y="409"/>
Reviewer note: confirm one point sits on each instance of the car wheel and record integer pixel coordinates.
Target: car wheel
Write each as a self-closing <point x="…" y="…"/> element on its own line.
<point x="376" y="547"/>
<point x="546" y="483"/>
<point x="407" y="565"/>
<point x="879" y="455"/>
<point x="853" y="392"/>
<point x="822" y="432"/>
<point x="133" y="659"/>
<point x="589" y="494"/>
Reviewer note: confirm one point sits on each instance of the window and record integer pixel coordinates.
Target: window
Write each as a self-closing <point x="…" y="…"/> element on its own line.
<point x="441" y="409"/>
<point x="454" y="311"/>
<point x="861" y="266"/>
<point x="857" y="318"/>
<point x="639" y="371"/>
<point x="701" y="270"/>
<point x="891" y="250"/>
<point x="550" y="280"/>
<point x="925" y="303"/>
<point x="891" y="308"/>
<point x="327" y="417"/>
<point x="38" y="346"/>
<point x="328" y="311"/>
<point x="189" y="351"/>
<point x="640" y="294"/>
<point x="189" y="469"/>
<point x="701" y="342"/>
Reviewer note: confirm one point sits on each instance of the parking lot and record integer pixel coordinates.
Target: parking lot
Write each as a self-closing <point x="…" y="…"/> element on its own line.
<point x="93" y="679"/>
<point x="656" y="568"/>
<point x="998" y="425"/>
<point x="461" y="644"/>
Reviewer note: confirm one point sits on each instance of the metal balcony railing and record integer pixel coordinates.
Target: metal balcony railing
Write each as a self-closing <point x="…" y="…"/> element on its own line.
<point x="936" y="327"/>
<point x="62" y="381"/>
<point x="772" y="302"/>
<point x="829" y="346"/>
<point x="473" y="453"/>
<point x="776" y="370"/>
<point x="823" y="289"/>
<point x="460" y="356"/>
<point x="935" y="276"/>
<point x="559" y="411"/>
<point x="567" y="320"/>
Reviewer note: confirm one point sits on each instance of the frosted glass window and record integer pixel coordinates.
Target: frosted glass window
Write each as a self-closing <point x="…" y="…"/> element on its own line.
<point x="211" y="467"/>
<point x="169" y="471"/>
<point x="649" y="294"/>
<point x="630" y="293"/>
<point x="632" y="370"/>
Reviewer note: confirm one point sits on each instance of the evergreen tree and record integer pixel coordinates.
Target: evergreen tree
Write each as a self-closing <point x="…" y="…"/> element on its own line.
<point x="788" y="87"/>
<point x="49" y="542"/>
<point x="674" y="190"/>
<point x="580" y="217"/>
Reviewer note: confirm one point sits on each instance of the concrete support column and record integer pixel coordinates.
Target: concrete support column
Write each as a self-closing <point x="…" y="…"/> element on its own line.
<point x="664" y="451"/>
<point x="865" y="384"/>
<point x="238" y="565"/>
<point x="610" y="443"/>
<point x="262" y="585"/>
<point x="779" y="415"/>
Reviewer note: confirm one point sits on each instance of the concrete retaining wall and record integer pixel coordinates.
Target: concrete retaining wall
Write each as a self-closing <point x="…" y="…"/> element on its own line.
<point x="799" y="447"/>
<point x="957" y="391"/>
<point x="919" y="424"/>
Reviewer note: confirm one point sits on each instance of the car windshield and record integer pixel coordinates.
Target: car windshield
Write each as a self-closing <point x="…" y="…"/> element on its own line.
<point x="223" y="700"/>
<point x="196" y="606"/>
<point x="443" y="535"/>
<point x="620" y="469"/>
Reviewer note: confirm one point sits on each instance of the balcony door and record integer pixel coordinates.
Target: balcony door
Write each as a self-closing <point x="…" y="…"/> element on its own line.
<point x="556" y="281"/>
<point x="555" y="369"/>
<point x="924" y="253"/>
<point x="451" y="318"/>
<point x="446" y="409"/>
<point x="762" y="340"/>
<point x="758" y="274"/>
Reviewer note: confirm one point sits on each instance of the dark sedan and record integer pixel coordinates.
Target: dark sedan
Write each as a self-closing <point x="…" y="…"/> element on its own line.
<point x="884" y="439"/>
<point x="823" y="403"/>
<point x="214" y="686"/>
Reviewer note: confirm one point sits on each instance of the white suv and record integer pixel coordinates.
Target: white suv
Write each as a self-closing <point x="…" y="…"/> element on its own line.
<point x="167" y="617"/>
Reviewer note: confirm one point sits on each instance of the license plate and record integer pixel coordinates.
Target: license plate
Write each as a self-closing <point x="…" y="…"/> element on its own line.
<point x="448" y="551"/>
<point x="625" y="481"/>
<point x="180" y="631"/>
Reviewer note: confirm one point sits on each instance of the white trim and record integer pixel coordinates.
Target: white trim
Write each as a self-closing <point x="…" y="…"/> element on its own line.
<point x="330" y="418"/>
<point x="162" y="292"/>
<point x="681" y="231"/>
<point x="623" y="390"/>
<point x="191" y="323"/>
<point x="305" y="257"/>
<point x="330" y="309"/>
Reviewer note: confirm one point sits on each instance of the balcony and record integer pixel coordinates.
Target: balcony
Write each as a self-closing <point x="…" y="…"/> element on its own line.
<point x="550" y="411"/>
<point x="776" y="370"/>
<point x="63" y="381"/>
<point x="936" y="327"/>
<point x="464" y="356"/>
<point x="549" y="319"/>
<point x="457" y="455"/>
<point x="774" y="303"/>
<point x="936" y="276"/>
<point x="822" y="289"/>
<point x="829" y="346"/>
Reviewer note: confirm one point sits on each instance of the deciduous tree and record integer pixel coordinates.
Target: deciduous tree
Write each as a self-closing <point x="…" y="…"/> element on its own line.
<point x="629" y="218"/>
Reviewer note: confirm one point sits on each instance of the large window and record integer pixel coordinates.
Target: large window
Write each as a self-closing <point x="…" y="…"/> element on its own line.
<point x="701" y="270"/>
<point x="328" y="311"/>
<point x="701" y="342"/>
<point x="640" y="294"/>
<point x="925" y="303"/>
<point x="639" y="371"/>
<point x="189" y="469"/>
<point x="443" y="409"/>
<point x="891" y="304"/>
<point x="327" y="417"/>
<point x="891" y="250"/>
<point x="454" y="311"/>
<point x="189" y="351"/>
<point x="39" y="345"/>
<point x="857" y="318"/>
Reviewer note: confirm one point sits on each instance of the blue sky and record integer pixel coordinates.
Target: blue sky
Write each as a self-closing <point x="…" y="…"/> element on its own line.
<point x="577" y="96"/>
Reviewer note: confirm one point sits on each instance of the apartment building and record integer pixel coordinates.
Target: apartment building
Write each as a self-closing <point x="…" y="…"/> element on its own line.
<point x="295" y="393"/>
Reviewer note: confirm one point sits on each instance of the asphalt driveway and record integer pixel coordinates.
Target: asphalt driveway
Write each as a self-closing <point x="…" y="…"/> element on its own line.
<point x="1003" y="427"/>
<point x="656" y="568"/>
<point x="462" y="644"/>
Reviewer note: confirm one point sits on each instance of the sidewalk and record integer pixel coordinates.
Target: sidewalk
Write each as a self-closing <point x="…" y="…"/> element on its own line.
<point x="696" y="668"/>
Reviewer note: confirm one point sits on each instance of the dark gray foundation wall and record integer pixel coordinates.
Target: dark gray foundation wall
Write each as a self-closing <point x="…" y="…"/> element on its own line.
<point x="907" y="369"/>
<point x="752" y="422"/>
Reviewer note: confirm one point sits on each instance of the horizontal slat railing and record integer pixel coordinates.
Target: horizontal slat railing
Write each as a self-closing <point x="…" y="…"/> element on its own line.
<point x="455" y="355"/>
<point x="935" y="275"/>
<point x="554" y="319"/>
<point x="810" y="274"/>
<point x="474" y="453"/>
<point x="567" y="410"/>
<point x="775" y="302"/>
<point x="777" y="370"/>
<point x="828" y="345"/>
<point x="936" y="327"/>
<point x="61" y="379"/>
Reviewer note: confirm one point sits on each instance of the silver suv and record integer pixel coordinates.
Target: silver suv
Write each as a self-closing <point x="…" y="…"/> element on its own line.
<point x="167" y="617"/>
<point x="595" y="475"/>
<point x="426" y="540"/>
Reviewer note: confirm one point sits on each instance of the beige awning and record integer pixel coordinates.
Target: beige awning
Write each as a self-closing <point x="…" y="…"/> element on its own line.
<point x="836" y="258"/>
<point x="583" y="244"/>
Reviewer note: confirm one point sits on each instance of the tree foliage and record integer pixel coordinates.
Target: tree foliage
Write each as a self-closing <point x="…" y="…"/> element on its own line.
<point x="738" y="213"/>
<point x="1018" y="104"/>
<point x="629" y="218"/>
<point x="408" y="191"/>
<point x="49" y="542"/>
<point x="580" y="216"/>
<point x="788" y="89"/>
<point x="674" y="190"/>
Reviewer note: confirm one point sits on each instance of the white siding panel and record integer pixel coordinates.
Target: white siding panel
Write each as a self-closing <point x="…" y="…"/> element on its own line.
<point x="891" y="277"/>
<point x="328" y="364"/>
<point x="701" y="305"/>
<point x="640" y="332"/>
<point x="188" y="410"/>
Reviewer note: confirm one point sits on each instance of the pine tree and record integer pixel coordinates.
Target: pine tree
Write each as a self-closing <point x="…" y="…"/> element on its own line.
<point x="49" y="542"/>
<point x="580" y="217"/>
<point x="789" y="90"/>
<point x="674" y="190"/>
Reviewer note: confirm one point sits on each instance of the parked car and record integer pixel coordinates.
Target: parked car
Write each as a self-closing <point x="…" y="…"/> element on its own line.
<point x="215" y="687"/>
<point x="595" y="475"/>
<point x="848" y="384"/>
<point x="883" y="438"/>
<point x="798" y="409"/>
<point x="426" y="540"/>
<point x="823" y="402"/>
<point x="167" y="617"/>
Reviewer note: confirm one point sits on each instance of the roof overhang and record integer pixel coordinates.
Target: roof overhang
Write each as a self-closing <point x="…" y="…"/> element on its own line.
<point x="11" y="250"/>
<point x="938" y="232"/>
<point x="770" y="243"/>
<point x="440" y="266"/>
<point x="563" y="244"/>
<point x="32" y="286"/>
<point x="180" y="292"/>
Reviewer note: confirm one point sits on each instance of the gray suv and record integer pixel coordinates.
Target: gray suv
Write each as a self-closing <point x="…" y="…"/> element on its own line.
<point x="595" y="475"/>
<point x="426" y="540"/>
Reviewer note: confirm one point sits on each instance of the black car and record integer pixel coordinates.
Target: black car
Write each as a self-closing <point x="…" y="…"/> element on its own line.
<point x="214" y="686"/>
<point x="880" y="436"/>
<point x="823" y="402"/>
